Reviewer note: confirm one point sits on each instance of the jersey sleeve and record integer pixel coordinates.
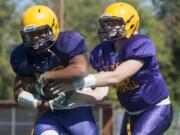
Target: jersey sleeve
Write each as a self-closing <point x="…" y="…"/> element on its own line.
<point x="140" y="49"/>
<point x="93" y="59"/>
<point x="73" y="44"/>
<point x="20" y="64"/>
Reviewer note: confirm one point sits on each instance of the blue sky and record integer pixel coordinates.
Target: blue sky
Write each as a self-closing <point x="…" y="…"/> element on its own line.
<point x="21" y="4"/>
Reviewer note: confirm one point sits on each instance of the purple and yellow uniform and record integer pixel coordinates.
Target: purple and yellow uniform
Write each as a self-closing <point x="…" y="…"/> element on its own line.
<point x="145" y="93"/>
<point x="77" y="121"/>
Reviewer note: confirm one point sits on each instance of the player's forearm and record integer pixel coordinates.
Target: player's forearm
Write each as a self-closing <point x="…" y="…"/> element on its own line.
<point x="27" y="100"/>
<point x="22" y="84"/>
<point x="123" y="71"/>
<point x="107" y="78"/>
<point x="96" y="80"/>
<point x="71" y="72"/>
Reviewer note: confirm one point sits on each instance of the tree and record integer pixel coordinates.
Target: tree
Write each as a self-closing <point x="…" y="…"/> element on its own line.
<point x="83" y="16"/>
<point x="8" y="37"/>
<point x="168" y="12"/>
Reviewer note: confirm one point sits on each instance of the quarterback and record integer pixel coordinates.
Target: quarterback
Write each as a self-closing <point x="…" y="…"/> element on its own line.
<point x="127" y="60"/>
<point x="45" y="58"/>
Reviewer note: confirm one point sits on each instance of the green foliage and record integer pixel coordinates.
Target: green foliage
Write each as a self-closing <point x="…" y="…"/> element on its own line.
<point x="8" y="37"/>
<point x="168" y="13"/>
<point x="112" y="94"/>
<point x="82" y="16"/>
<point x="155" y="28"/>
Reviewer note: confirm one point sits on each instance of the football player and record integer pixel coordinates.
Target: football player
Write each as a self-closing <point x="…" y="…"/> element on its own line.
<point x="48" y="54"/>
<point x="129" y="62"/>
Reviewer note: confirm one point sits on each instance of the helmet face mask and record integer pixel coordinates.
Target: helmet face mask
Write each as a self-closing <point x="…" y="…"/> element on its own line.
<point x="112" y="28"/>
<point x="38" y="39"/>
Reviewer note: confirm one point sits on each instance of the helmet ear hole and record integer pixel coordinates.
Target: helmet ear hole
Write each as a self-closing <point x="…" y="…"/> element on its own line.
<point x="132" y="26"/>
<point x="56" y="27"/>
<point x="53" y="23"/>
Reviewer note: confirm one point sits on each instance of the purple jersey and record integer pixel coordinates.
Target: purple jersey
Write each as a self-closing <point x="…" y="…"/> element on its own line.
<point x="147" y="86"/>
<point x="26" y="63"/>
<point x="68" y="45"/>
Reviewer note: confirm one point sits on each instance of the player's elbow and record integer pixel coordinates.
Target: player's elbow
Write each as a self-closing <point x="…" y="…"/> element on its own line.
<point x="82" y="70"/>
<point x="100" y="97"/>
<point x="16" y="95"/>
<point x="114" y="79"/>
<point x="16" y="98"/>
<point x="102" y="93"/>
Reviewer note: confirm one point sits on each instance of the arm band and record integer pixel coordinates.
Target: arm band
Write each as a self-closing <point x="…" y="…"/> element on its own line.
<point x="88" y="81"/>
<point x="27" y="100"/>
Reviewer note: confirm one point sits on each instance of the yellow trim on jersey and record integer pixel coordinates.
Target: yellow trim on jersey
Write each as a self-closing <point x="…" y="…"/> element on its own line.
<point x="129" y="127"/>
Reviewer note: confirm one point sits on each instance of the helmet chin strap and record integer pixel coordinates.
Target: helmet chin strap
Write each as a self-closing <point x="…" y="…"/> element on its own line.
<point x="121" y="34"/>
<point x="48" y="51"/>
<point x="44" y="54"/>
<point x="53" y="54"/>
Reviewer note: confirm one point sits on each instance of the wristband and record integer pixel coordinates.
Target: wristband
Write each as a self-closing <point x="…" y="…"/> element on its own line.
<point x="26" y="99"/>
<point x="88" y="81"/>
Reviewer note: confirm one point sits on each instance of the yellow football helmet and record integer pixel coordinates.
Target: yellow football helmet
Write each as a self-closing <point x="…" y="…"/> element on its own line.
<point x="120" y="20"/>
<point x="40" y="27"/>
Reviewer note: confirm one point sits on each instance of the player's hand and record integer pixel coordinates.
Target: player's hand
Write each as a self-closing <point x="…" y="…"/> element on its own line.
<point x="61" y="86"/>
<point x="52" y="90"/>
<point x="58" y="102"/>
<point x="40" y="84"/>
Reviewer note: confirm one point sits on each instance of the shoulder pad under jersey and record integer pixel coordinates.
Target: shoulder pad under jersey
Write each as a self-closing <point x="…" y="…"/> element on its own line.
<point x="20" y="63"/>
<point x="139" y="46"/>
<point x="71" y="43"/>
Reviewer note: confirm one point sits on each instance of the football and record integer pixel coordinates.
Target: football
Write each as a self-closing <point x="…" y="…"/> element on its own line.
<point x="56" y="88"/>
